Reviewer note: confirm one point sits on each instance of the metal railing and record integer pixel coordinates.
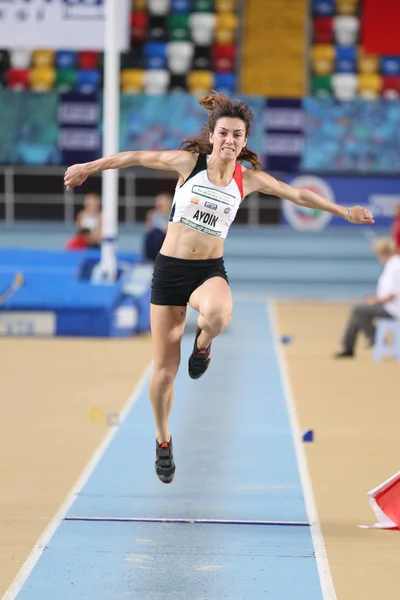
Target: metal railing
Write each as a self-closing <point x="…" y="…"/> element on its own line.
<point x="32" y="187"/>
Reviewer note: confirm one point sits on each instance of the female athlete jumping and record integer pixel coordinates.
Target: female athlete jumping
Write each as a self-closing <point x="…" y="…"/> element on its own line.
<point x="190" y="268"/>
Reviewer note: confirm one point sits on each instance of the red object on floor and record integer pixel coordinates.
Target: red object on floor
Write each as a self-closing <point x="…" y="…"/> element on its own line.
<point x="385" y="502"/>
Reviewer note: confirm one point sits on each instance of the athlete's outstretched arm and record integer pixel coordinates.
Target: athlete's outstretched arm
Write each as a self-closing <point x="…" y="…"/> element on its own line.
<point x="269" y="185"/>
<point x="167" y="160"/>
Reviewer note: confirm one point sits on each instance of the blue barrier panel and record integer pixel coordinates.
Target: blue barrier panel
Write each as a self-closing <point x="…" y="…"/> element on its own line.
<point x="54" y="301"/>
<point x="377" y="194"/>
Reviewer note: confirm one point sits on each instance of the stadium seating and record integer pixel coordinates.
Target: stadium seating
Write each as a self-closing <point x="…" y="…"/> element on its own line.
<point x="391" y="87"/>
<point x="323" y="30"/>
<point x="179" y="57"/>
<point x="20" y="59"/>
<point x="43" y="58"/>
<point x="156" y="81"/>
<point x="132" y="81"/>
<point x="339" y="63"/>
<point x="370" y="85"/>
<point x="200" y="82"/>
<point x="66" y="59"/>
<point x="42" y="79"/>
<point x="175" y="44"/>
<point x="17" y="79"/>
<point x="65" y="79"/>
<point x="344" y="86"/>
<point x="321" y="86"/>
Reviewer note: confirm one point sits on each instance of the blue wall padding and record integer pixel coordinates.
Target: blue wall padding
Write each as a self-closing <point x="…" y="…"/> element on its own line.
<point x="82" y="308"/>
<point x="12" y="259"/>
<point x="59" y="291"/>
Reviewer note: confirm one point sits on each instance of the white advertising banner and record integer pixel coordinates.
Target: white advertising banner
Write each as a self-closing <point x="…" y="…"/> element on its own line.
<point x="60" y="24"/>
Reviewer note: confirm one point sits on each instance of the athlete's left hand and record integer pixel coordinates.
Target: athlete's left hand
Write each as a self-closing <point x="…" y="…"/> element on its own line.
<point x="361" y="216"/>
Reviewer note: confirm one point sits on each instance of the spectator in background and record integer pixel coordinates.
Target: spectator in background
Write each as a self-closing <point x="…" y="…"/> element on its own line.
<point x="395" y="229"/>
<point x="89" y="218"/>
<point x="157" y="220"/>
<point x="385" y="305"/>
<point x="79" y="241"/>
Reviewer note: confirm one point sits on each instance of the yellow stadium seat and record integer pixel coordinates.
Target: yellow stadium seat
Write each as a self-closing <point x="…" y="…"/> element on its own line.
<point x="225" y="36"/>
<point x="43" y="58"/>
<point x="42" y="79"/>
<point x="225" y="6"/>
<point x="323" y="57"/>
<point x="139" y="5"/>
<point x="346" y="7"/>
<point x="132" y="81"/>
<point x="200" y="82"/>
<point x="370" y="85"/>
<point x="227" y="21"/>
<point x="368" y="63"/>
<point x="225" y="28"/>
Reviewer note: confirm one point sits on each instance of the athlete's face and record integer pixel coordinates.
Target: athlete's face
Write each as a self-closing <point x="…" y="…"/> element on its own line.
<point x="229" y="137"/>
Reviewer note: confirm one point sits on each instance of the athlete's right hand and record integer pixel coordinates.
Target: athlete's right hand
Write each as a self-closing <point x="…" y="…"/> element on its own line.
<point x="75" y="175"/>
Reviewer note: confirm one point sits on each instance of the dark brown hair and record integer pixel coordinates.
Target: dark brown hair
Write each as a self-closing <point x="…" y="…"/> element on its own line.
<point x="218" y="106"/>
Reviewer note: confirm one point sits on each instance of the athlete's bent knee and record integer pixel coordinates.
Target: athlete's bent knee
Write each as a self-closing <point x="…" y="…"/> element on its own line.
<point x="164" y="377"/>
<point x="217" y="320"/>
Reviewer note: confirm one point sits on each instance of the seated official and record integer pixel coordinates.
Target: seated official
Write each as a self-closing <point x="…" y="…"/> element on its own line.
<point x="90" y="218"/>
<point x="157" y="220"/>
<point x="385" y="305"/>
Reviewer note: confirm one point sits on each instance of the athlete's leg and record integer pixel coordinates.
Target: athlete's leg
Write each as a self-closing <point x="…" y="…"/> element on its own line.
<point x="167" y="326"/>
<point x="213" y="300"/>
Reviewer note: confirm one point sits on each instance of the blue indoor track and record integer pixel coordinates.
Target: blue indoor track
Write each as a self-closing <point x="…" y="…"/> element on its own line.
<point x="233" y="525"/>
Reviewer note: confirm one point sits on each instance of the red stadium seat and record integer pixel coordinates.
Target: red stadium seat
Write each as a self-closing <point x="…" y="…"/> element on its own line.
<point x="139" y="22"/>
<point x="323" y="30"/>
<point x="224" y="57"/>
<point x="88" y="60"/>
<point x="391" y="86"/>
<point x="18" y="79"/>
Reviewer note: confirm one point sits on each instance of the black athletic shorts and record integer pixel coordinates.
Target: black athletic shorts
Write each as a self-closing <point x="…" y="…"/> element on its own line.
<point x="175" y="279"/>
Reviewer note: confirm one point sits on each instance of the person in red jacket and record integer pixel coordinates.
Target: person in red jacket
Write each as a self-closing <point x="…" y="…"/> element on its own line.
<point x="79" y="241"/>
<point x="396" y="227"/>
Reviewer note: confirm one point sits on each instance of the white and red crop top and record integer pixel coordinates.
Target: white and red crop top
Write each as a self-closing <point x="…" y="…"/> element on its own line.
<point x="200" y="204"/>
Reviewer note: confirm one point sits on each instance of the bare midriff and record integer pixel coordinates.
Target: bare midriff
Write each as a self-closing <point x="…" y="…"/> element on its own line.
<point x="184" y="242"/>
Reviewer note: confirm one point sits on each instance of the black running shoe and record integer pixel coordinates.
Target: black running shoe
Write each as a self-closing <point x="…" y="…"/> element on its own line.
<point x="344" y="354"/>
<point x="164" y="464"/>
<point x="199" y="359"/>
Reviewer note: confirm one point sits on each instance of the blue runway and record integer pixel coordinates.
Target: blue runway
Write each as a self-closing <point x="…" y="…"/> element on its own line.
<point x="236" y="461"/>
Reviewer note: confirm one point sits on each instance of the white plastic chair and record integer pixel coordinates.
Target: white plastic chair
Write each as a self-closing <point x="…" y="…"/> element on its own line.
<point x="202" y="27"/>
<point x="346" y="30"/>
<point x="158" y="8"/>
<point x="384" y="328"/>
<point x="180" y="56"/>
<point x="156" y="81"/>
<point x="20" y="59"/>
<point x="344" y="86"/>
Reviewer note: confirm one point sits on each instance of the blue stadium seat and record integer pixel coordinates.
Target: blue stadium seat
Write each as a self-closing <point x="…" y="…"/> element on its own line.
<point x="88" y="81"/>
<point x="156" y="55"/>
<point x="390" y="65"/>
<point x="346" y="59"/>
<point x="225" y="82"/>
<point x="66" y="59"/>
<point x="181" y="6"/>
<point x="323" y="8"/>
